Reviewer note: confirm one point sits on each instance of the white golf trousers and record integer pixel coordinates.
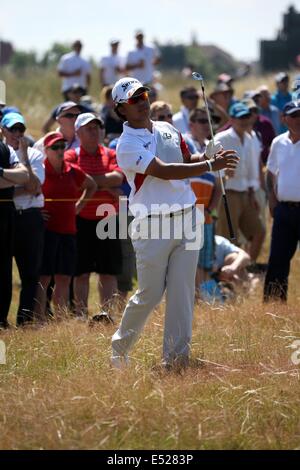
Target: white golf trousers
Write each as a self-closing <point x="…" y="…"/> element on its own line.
<point x="164" y="265"/>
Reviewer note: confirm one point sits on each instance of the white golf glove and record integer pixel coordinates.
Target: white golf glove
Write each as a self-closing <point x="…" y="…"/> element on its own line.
<point x="212" y="148"/>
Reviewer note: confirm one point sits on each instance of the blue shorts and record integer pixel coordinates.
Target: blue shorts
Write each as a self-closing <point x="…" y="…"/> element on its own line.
<point x="207" y="252"/>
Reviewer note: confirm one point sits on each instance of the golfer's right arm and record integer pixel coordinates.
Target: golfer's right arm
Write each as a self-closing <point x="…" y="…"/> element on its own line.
<point x="177" y="171"/>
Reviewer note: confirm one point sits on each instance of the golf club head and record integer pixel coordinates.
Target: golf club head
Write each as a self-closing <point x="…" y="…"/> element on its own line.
<point x="197" y="76"/>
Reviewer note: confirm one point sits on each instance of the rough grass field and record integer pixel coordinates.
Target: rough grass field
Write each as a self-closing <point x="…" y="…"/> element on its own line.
<point x="58" y="391"/>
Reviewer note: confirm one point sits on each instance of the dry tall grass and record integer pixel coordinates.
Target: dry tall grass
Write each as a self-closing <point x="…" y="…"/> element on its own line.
<point x="58" y="391"/>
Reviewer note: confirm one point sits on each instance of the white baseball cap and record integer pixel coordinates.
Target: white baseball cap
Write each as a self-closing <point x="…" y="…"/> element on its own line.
<point x="84" y="118"/>
<point x="125" y="88"/>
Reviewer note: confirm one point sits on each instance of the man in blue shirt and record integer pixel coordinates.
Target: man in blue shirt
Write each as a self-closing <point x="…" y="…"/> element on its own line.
<point x="282" y="96"/>
<point x="267" y="109"/>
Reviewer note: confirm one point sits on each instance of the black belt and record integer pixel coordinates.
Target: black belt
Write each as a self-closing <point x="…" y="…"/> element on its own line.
<point x="25" y="211"/>
<point x="173" y="214"/>
<point x="291" y="203"/>
<point x="235" y="191"/>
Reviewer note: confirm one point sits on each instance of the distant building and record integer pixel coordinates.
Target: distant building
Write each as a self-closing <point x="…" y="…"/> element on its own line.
<point x="281" y="53"/>
<point x="6" y="52"/>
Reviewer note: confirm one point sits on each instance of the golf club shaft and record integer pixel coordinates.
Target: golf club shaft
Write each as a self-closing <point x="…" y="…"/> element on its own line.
<point x="226" y="207"/>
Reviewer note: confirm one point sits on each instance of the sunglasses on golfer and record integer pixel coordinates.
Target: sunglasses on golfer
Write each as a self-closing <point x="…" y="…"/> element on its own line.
<point x="58" y="146"/>
<point x="70" y="115"/>
<point x="163" y="117"/>
<point x="135" y="99"/>
<point x="294" y="115"/>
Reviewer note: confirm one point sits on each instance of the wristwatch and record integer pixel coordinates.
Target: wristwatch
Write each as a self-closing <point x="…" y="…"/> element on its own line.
<point x="1" y="172"/>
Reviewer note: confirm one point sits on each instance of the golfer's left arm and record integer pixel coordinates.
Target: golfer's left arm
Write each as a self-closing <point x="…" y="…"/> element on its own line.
<point x="187" y="156"/>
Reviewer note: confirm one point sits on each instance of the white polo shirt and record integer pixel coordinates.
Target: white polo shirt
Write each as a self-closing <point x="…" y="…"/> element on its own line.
<point x="257" y="149"/>
<point x="70" y="63"/>
<point x="108" y="65"/>
<point x="181" y="120"/>
<point x="135" y="150"/>
<point x="27" y="201"/>
<point x="245" y="175"/>
<point x="13" y="157"/>
<point x="147" y="54"/>
<point x="284" y="163"/>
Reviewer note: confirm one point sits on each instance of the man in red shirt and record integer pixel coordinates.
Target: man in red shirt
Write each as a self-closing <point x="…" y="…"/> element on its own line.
<point x="93" y="254"/>
<point x="66" y="189"/>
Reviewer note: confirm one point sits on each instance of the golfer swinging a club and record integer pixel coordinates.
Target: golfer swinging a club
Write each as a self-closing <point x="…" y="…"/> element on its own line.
<point x="156" y="163"/>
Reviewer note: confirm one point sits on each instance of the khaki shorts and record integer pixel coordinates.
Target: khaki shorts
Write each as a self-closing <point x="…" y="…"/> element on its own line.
<point x="244" y="217"/>
<point x="260" y="196"/>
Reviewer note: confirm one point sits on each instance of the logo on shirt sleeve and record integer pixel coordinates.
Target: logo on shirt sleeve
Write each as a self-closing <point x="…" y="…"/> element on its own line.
<point x="167" y="136"/>
<point x="138" y="160"/>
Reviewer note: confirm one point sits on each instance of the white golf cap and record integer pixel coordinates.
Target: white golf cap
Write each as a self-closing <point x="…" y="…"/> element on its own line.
<point x="84" y="118"/>
<point x="125" y="88"/>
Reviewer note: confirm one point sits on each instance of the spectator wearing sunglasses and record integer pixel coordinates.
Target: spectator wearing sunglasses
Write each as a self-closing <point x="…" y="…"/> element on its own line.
<point x="103" y="257"/>
<point x="112" y="123"/>
<point x="66" y="190"/>
<point x="12" y="173"/>
<point x="29" y="224"/>
<point x="198" y="136"/>
<point x="189" y="97"/>
<point x="66" y="116"/>
<point x="161" y="111"/>
<point x="283" y="170"/>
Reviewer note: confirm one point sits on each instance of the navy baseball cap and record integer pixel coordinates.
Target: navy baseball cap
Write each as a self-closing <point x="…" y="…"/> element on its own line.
<point x="238" y="110"/>
<point x="291" y="108"/>
<point x="66" y="106"/>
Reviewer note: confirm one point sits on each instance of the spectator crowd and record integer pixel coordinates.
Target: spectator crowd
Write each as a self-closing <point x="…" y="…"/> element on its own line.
<point x="51" y="189"/>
